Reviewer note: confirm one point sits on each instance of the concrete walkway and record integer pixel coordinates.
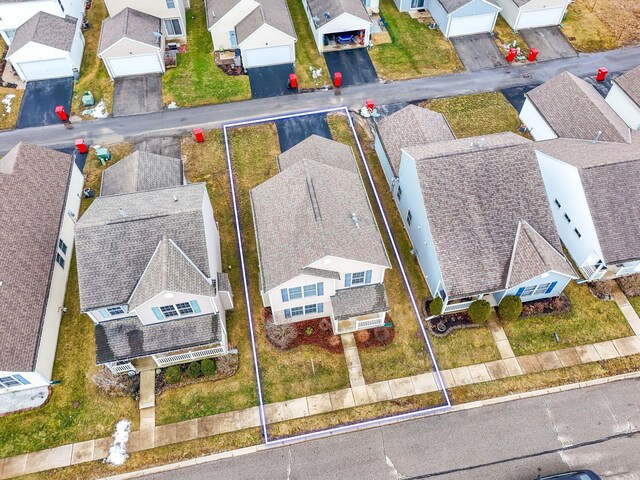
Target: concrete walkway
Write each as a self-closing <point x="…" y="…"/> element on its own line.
<point x="626" y="308"/>
<point x="502" y="342"/>
<point x="147" y="408"/>
<point x="322" y="403"/>
<point x="356" y="378"/>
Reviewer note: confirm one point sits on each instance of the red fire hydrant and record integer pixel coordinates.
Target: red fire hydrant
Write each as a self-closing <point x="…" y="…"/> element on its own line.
<point x="370" y="105"/>
<point x="293" y="80"/>
<point x="198" y="134"/>
<point x="61" y="113"/>
<point x="81" y="146"/>
<point x="533" y="53"/>
<point x="602" y="74"/>
<point x="512" y="54"/>
<point x="337" y="79"/>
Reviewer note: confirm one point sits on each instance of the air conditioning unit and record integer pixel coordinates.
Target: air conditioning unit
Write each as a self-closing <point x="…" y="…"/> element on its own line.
<point x="173" y="46"/>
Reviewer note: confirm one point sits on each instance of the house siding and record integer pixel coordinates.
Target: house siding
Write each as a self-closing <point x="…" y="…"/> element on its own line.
<point x="157" y="8"/>
<point x="626" y="108"/>
<point x="537" y="125"/>
<point x="77" y="49"/>
<point x="212" y="237"/>
<point x="439" y="14"/>
<point x="267" y="36"/>
<point x="384" y="161"/>
<point x="208" y="305"/>
<point x="509" y="12"/>
<point x="561" y="281"/>
<point x="220" y="31"/>
<point x="478" y="7"/>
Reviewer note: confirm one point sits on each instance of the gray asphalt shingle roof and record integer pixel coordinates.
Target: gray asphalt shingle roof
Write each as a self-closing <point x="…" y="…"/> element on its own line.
<point x="574" y="109"/>
<point x="45" y="29"/>
<point x="630" y="83"/>
<point x="355" y="301"/>
<point x="319" y="149"/>
<point x="132" y="24"/>
<point x="270" y="12"/>
<point x="335" y="8"/>
<point x="452" y="5"/>
<point x="33" y="188"/>
<point x="216" y="9"/>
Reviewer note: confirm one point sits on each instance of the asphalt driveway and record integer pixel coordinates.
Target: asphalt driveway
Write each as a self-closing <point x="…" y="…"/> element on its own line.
<point x="167" y="146"/>
<point x="515" y="95"/>
<point x="550" y="42"/>
<point x="137" y="95"/>
<point x="478" y="52"/>
<point x="354" y="64"/>
<point x="292" y="131"/>
<point x="271" y="81"/>
<point x="41" y="97"/>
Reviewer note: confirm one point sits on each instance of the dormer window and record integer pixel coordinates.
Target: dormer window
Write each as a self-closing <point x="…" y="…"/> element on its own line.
<point x="177" y="310"/>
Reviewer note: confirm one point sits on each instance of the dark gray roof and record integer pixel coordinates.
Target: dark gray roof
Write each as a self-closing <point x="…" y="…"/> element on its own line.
<point x="574" y="109"/>
<point x="630" y="83"/>
<point x="129" y="23"/>
<point x="305" y="213"/>
<point x="113" y="251"/>
<point x="321" y="150"/>
<point x="216" y="9"/>
<point x="141" y="171"/>
<point x="45" y="29"/>
<point x="224" y="285"/>
<point x="476" y="192"/>
<point x="270" y="12"/>
<point x="411" y="126"/>
<point x="33" y="188"/>
<point x="335" y="8"/>
<point x="128" y="338"/>
<point x="452" y="5"/>
<point x="356" y="301"/>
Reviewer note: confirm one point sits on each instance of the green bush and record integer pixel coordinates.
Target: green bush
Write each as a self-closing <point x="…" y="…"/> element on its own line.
<point x="510" y="308"/>
<point x="479" y="311"/>
<point x="193" y="370"/>
<point x="208" y="367"/>
<point x="435" y="307"/>
<point x="173" y="374"/>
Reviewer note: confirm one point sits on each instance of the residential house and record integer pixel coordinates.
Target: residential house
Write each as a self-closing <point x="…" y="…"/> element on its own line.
<point x="172" y="14"/>
<point x="129" y="44"/>
<point x="14" y="13"/>
<point x="338" y="24"/>
<point x="39" y="202"/>
<point x="624" y="97"/>
<point x="480" y="225"/>
<point x="522" y="14"/>
<point x="149" y="267"/>
<point x="594" y="194"/>
<point x="47" y="46"/>
<point x="261" y="29"/>
<point x="319" y="247"/>
<point x="568" y="107"/>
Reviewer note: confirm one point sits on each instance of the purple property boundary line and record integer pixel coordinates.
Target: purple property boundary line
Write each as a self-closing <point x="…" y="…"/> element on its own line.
<point x="245" y="283"/>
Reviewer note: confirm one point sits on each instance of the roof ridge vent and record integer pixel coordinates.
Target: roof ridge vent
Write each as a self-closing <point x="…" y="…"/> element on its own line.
<point x="314" y="199"/>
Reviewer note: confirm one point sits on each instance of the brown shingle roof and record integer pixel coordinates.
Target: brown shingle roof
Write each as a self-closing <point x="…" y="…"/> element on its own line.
<point x="270" y="12"/>
<point x="630" y="83"/>
<point x="129" y="23"/>
<point x="45" y="29"/>
<point x="322" y="150"/>
<point x="33" y="187"/>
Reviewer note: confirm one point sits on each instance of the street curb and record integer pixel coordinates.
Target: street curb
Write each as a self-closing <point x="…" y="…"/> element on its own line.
<point x="455" y="408"/>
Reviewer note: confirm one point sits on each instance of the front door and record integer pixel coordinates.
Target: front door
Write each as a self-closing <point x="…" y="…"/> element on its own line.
<point x="232" y="38"/>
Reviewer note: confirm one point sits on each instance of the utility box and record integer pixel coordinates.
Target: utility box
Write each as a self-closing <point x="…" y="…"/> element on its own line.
<point x="197" y="132"/>
<point x="81" y="146"/>
<point x="602" y="74"/>
<point x="370" y="105"/>
<point x="60" y="111"/>
<point x="337" y="79"/>
<point x="293" y="80"/>
<point x="104" y="155"/>
<point x="533" y="53"/>
<point x="512" y="54"/>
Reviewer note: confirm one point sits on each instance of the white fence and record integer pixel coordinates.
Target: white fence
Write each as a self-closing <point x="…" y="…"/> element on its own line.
<point x="457" y="307"/>
<point x="364" y="324"/>
<point x="125" y="367"/>
<point x="592" y="273"/>
<point x="185" y="357"/>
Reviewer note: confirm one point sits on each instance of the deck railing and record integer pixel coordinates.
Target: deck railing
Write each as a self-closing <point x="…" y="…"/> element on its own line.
<point x="457" y="307"/>
<point x="185" y="357"/>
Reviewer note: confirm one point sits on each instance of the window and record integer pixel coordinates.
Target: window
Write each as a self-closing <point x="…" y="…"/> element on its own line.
<point x="60" y="260"/>
<point x="357" y="278"/>
<point x="557" y="203"/>
<point x="313" y="308"/>
<point x="399" y="193"/>
<point x="295" y="293"/>
<point x="184" y="308"/>
<point x="567" y="217"/>
<point x="171" y="4"/>
<point x="528" y="291"/>
<point x="115" y="311"/>
<point x="10" y="34"/>
<point x="539" y="289"/>
<point x="12" y="381"/>
<point x="409" y="217"/>
<point x="306" y="310"/>
<point x="168" y="311"/>
<point x="172" y="25"/>
<point x="297" y="311"/>
<point x="179" y="309"/>
<point x="310" y="290"/>
<point x="62" y="246"/>
<point x="577" y="232"/>
<point x="542" y="288"/>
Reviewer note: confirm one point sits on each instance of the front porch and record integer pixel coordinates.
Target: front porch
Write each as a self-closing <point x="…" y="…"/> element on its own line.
<point x="153" y="362"/>
<point x="362" y="322"/>
<point x="459" y="305"/>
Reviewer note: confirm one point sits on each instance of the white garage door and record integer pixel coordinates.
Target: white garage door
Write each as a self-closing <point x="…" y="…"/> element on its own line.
<point x="44" y="69"/>
<point x="260" y="57"/>
<point x="135" y="65"/>
<point x="540" y="18"/>
<point x="471" y="24"/>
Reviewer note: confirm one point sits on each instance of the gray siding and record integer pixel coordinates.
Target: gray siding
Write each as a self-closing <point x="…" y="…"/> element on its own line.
<point x="384" y="161"/>
<point x="439" y="15"/>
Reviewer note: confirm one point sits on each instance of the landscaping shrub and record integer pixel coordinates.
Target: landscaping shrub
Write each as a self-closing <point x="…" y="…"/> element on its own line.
<point x="193" y="370"/>
<point x="630" y="285"/>
<point x="362" y="336"/>
<point x="308" y="331"/>
<point x="334" y="341"/>
<point x="208" y="367"/>
<point x="435" y="307"/>
<point x="382" y="334"/>
<point x="281" y="336"/>
<point x="510" y="308"/>
<point x="325" y="325"/>
<point x="603" y="289"/>
<point x="173" y="374"/>
<point x="227" y="365"/>
<point x="267" y="314"/>
<point x="479" y="311"/>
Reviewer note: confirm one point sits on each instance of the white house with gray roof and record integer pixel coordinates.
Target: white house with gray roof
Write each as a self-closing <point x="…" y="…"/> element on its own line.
<point x="476" y="212"/>
<point x="330" y="19"/>
<point x="594" y="194"/>
<point x="47" y="46"/>
<point x="261" y="29"/>
<point x="521" y="14"/>
<point x="319" y="247"/>
<point x="172" y="14"/>
<point x="149" y="267"/>
<point x="624" y="97"/>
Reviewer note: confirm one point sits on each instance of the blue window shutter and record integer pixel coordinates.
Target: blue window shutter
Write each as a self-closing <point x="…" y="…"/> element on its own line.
<point x="21" y="379"/>
<point x="520" y="290"/>
<point x="367" y="276"/>
<point x="104" y="313"/>
<point x="195" y="306"/>
<point x="321" y="289"/>
<point x="285" y="294"/>
<point x="320" y="307"/>
<point x="347" y="280"/>
<point x="287" y="313"/>
<point x="156" y="311"/>
<point x="551" y="287"/>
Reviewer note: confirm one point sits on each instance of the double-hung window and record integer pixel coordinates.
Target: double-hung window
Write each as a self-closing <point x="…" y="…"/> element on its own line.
<point x="168" y="311"/>
<point x="184" y="308"/>
<point x="113" y="311"/>
<point x="409" y="217"/>
<point x="61" y="252"/>
<point x="399" y="193"/>
<point x="542" y="288"/>
<point x="539" y="289"/>
<point x="177" y="310"/>
<point x="295" y="293"/>
<point x="357" y="278"/>
<point x="12" y="381"/>
<point x="172" y="26"/>
<point x="171" y="4"/>
<point x="303" y="310"/>
<point x="528" y="291"/>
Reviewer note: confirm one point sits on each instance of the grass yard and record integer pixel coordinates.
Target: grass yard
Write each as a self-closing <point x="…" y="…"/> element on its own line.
<point x="415" y="52"/>
<point x="467" y="346"/>
<point x="504" y="34"/>
<point x="8" y="120"/>
<point x="635" y="303"/>
<point x="307" y="56"/>
<point x="197" y="80"/>
<point x="478" y="114"/>
<point x="590" y="320"/>
<point x="590" y="25"/>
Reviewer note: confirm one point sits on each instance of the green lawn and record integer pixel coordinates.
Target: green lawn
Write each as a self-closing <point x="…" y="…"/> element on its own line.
<point x="197" y="80"/>
<point x="8" y="120"/>
<point x="503" y="34"/>
<point x="635" y="303"/>
<point x="467" y="346"/>
<point x="478" y="114"/>
<point x="416" y="50"/>
<point x="590" y="320"/>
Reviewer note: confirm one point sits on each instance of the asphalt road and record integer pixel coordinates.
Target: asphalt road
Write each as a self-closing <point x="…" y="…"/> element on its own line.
<point x="595" y="428"/>
<point x="172" y="122"/>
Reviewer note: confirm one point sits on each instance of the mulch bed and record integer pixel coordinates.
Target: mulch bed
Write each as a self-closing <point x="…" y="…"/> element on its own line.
<point x="442" y="325"/>
<point x="630" y="284"/>
<point x="546" y="306"/>
<point x="227" y="66"/>
<point x="602" y="289"/>
<point x="221" y="374"/>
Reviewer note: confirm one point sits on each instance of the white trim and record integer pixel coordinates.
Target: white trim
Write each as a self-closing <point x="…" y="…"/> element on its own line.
<point x="101" y="54"/>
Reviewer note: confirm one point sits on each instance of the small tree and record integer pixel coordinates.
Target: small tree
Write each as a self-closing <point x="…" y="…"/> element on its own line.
<point x="208" y="367"/>
<point x="479" y="311"/>
<point x="193" y="370"/>
<point x="282" y="336"/>
<point x="435" y="307"/>
<point x="173" y="374"/>
<point x="510" y="308"/>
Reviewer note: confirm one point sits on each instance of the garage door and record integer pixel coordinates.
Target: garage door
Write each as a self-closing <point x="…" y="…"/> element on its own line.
<point x="471" y="24"/>
<point x="260" y="57"/>
<point x="540" y="18"/>
<point x="45" y="69"/>
<point x="135" y="65"/>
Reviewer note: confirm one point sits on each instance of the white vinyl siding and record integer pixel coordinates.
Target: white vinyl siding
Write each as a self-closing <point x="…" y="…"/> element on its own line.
<point x="540" y="18"/>
<point x="134" y="65"/>
<point x="273" y="55"/>
<point x="471" y="25"/>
